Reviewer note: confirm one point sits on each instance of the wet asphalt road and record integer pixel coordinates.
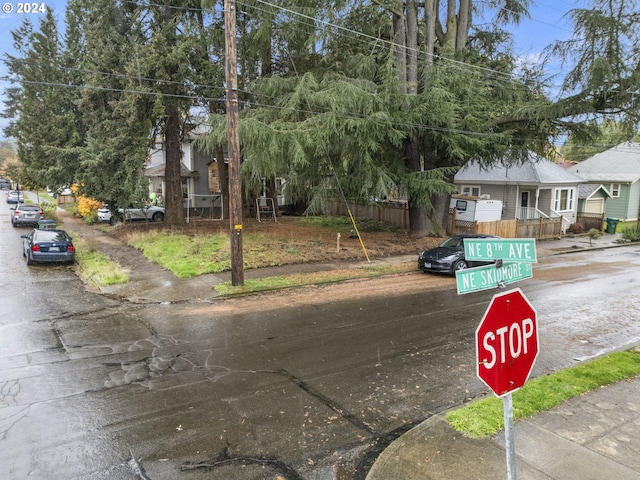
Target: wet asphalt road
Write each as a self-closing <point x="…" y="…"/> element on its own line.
<point x="94" y="389"/>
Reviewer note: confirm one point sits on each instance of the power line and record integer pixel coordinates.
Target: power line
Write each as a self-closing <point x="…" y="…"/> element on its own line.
<point x="249" y="104"/>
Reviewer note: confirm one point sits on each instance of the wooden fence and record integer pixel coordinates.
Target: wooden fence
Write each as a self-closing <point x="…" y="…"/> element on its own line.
<point x="397" y="214"/>
<point x="540" y="228"/>
<point x="393" y="213"/>
<point x="591" y="220"/>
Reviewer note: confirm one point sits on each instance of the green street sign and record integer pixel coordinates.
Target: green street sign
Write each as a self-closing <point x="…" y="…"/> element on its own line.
<point x="491" y="276"/>
<point x="508" y="249"/>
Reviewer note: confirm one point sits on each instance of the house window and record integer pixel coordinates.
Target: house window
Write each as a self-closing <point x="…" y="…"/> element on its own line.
<point x="615" y="190"/>
<point x="471" y="190"/>
<point x="564" y="200"/>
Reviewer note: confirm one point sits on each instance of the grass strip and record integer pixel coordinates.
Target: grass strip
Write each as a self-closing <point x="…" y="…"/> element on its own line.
<point x="305" y="279"/>
<point x="485" y="417"/>
<point x="97" y="267"/>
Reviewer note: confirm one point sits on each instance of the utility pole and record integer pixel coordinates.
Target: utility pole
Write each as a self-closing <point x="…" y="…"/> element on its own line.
<point x="233" y="141"/>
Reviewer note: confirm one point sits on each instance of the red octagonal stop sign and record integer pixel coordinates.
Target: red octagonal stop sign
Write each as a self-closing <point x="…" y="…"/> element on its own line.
<point x="507" y="342"/>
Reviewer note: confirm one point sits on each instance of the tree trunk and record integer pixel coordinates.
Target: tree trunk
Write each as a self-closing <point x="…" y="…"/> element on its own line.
<point x="430" y="34"/>
<point x="412" y="47"/>
<point x="419" y="221"/>
<point x="419" y="216"/>
<point x="464" y="20"/>
<point x="400" y="49"/>
<point x="452" y="26"/>
<point x="174" y="211"/>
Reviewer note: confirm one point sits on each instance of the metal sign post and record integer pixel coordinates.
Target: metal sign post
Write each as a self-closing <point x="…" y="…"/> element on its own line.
<point x="507" y="405"/>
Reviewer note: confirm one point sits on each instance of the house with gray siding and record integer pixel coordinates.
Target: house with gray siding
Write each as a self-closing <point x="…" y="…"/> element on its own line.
<point x="529" y="190"/>
<point x="198" y="170"/>
<point x="617" y="171"/>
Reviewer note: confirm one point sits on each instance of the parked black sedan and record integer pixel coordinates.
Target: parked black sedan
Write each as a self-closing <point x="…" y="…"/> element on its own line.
<point x="48" y="246"/>
<point x="448" y="257"/>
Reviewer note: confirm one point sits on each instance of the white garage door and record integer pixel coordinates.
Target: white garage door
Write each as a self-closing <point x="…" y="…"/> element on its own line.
<point x="595" y="205"/>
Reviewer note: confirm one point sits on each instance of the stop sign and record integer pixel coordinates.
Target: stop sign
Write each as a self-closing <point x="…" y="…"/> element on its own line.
<point x="507" y="342"/>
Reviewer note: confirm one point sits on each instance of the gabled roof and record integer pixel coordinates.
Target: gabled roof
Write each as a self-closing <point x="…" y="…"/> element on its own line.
<point x="588" y="190"/>
<point x="536" y="170"/>
<point x="158" y="171"/>
<point x="620" y="164"/>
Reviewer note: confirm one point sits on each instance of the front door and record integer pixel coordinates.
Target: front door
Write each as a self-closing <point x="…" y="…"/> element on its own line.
<point x="524" y="205"/>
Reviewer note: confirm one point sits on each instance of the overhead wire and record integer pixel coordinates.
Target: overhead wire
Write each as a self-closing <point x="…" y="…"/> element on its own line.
<point x="358" y="35"/>
<point x="312" y="22"/>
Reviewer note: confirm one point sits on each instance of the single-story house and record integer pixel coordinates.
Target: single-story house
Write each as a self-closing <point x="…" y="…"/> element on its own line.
<point x="617" y="172"/>
<point x="592" y="198"/>
<point x="532" y="189"/>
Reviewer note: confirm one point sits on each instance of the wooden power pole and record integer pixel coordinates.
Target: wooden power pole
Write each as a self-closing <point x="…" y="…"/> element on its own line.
<point x="233" y="141"/>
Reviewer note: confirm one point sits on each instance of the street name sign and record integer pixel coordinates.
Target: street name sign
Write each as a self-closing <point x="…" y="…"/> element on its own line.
<point x="507" y="342"/>
<point x="490" y="276"/>
<point x="508" y="249"/>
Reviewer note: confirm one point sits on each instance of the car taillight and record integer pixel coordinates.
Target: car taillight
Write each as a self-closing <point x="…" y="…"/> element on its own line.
<point x="35" y="248"/>
<point x="17" y="212"/>
<point x="70" y="248"/>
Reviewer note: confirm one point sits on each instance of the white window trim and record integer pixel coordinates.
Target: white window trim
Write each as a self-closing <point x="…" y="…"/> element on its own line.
<point x="615" y="192"/>
<point x="558" y="199"/>
<point x="468" y="190"/>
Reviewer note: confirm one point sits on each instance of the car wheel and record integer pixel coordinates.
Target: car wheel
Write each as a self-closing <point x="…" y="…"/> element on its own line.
<point x="460" y="265"/>
<point x="157" y="217"/>
<point x="115" y="219"/>
<point x="29" y="260"/>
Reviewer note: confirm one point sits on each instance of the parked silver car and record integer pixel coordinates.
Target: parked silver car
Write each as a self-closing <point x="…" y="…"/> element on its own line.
<point x="15" y="196"/>
<point x="148" y="213"/>
<point x="26" y="214"/>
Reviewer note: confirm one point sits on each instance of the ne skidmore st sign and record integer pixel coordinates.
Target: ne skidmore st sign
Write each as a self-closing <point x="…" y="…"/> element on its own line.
<point x="490" y="276"/>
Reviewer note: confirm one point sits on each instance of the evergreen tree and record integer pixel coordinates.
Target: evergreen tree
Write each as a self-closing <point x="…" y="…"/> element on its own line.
<point x="368" y="110"/>
<point x="114" y="107"/>
<point x="604" y="82"/>
<point x="40" y="106"/>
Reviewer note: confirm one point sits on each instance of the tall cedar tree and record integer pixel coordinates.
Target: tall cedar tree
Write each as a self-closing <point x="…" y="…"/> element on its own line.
<point x="40" y="107"/>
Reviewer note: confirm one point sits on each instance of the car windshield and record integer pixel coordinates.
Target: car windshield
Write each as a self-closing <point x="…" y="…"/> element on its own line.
<point x="452" y="242"/>
<point x="52" y="236"/>
<point x="34" y="208"/>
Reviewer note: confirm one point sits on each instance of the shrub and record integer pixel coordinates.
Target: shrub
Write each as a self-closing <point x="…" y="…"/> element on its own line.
<point x="631" y="233"/>
<point x="576" y="228"/>
<point x="593" y="233"/>
<point x="87" y="208"/>
<point x="49" y="210"/>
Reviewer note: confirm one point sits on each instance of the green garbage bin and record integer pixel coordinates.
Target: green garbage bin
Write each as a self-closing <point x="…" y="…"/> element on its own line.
<point x="612" y="224"/>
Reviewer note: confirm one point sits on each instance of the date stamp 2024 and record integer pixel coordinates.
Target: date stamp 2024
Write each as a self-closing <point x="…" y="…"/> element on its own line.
<point x="23" y="7"/>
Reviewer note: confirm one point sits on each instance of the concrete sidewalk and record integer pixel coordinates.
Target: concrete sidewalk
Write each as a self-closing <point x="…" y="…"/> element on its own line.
<point x="591" y="437"/>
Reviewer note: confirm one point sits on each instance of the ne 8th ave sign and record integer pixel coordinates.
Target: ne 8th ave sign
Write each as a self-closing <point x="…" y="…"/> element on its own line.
<point x="507" y="342"/>
<point x="508" y="249"/>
